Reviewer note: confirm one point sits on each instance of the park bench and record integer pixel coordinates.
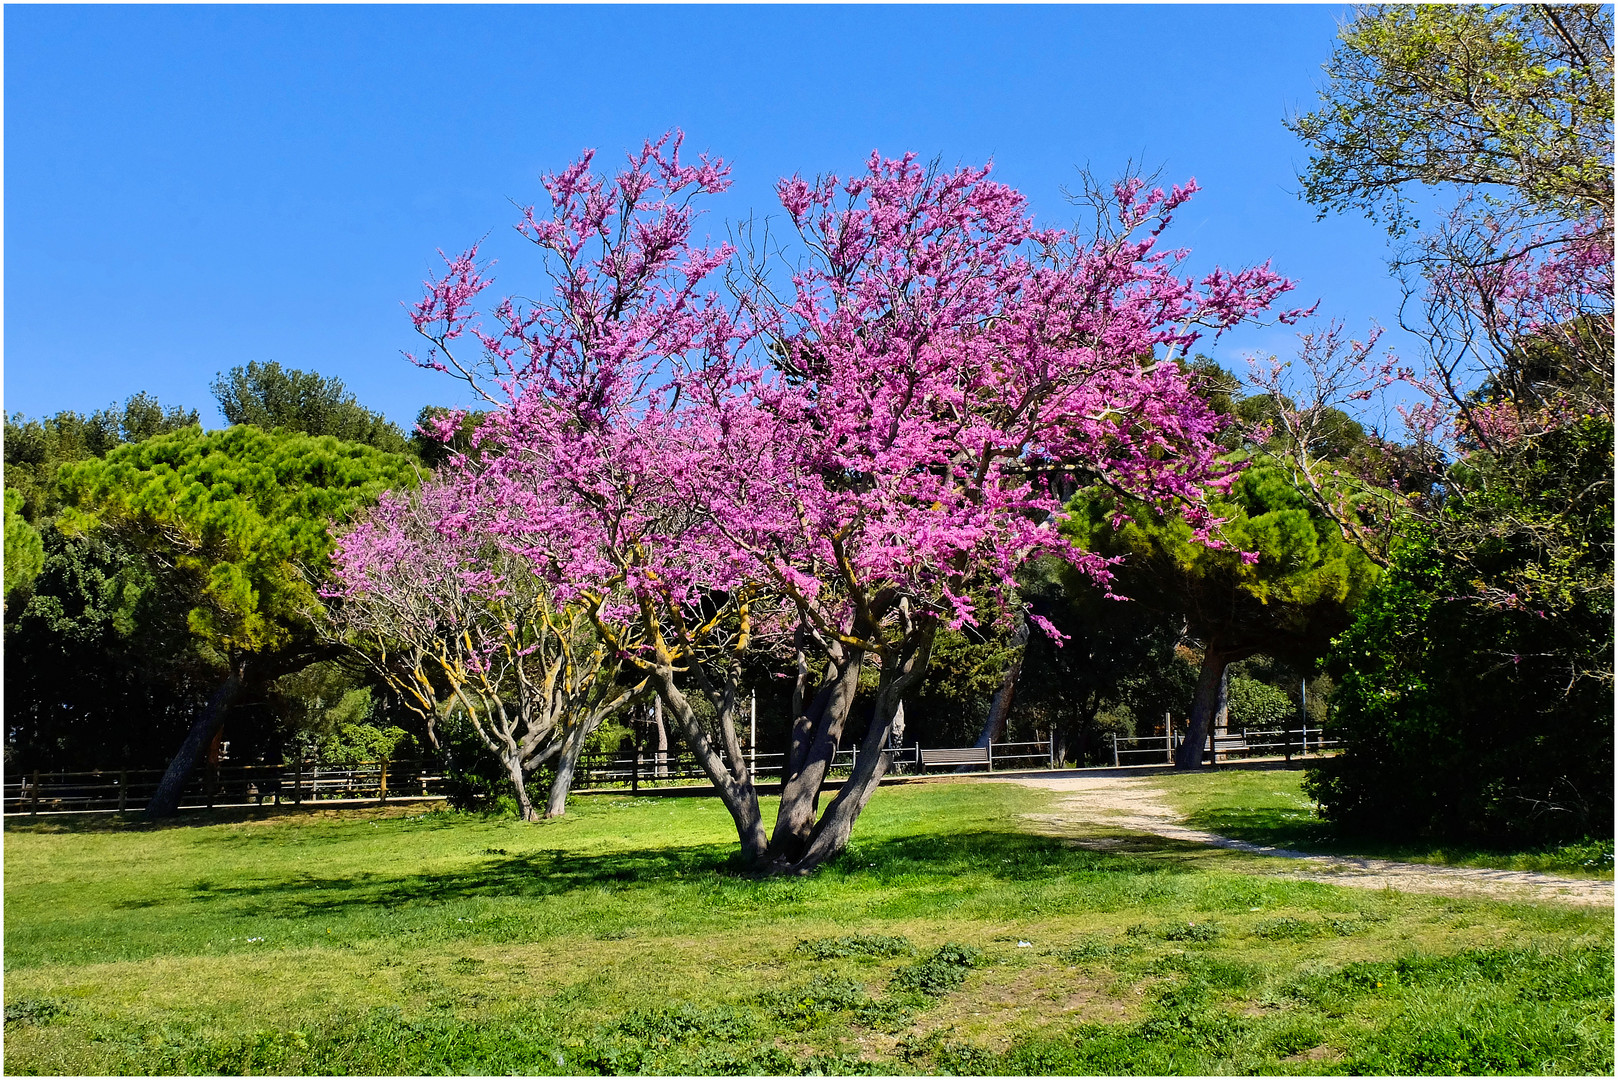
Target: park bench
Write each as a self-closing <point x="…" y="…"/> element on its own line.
<point x="962" y="755"/>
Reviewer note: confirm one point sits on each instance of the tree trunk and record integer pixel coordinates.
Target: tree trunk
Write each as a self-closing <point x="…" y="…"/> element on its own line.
<point x="1061" y="740"/>
<point x="735" y="790"/>
<point x="1209" y="704"/>
<point x="994" y="725"/>
<point x="514" y="770"/>
<point x="165" y="801"/>
<point x="661" y="769"/>
<point x="566" y="762"/>
<point x="831" y="832"/>
<point x="815" y="738"/>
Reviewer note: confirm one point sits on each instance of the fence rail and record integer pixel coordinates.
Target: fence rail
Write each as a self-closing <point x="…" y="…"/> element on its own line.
<point x="306" y="782"/>
<point x="223" y="785"/>
<point x="1232" y="745"/>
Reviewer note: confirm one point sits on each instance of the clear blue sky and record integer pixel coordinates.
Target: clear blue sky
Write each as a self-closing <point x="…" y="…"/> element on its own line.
<point x="190" y="188"/>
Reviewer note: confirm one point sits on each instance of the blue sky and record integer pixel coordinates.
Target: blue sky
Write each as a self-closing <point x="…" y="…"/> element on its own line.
<point x="191" y="188"/>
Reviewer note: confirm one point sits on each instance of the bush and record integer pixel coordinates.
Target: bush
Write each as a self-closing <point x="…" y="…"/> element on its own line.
<point x="1475" y="690"/>
<point x="1255" y="704"/>
<point x="940" y="973"/>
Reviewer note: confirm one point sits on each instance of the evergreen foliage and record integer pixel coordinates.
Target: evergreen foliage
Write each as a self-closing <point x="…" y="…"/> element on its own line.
<point x="1255" y="704"/>
<point x="36" y="449"/>
<point x="1476" y="686"/>
<point x="270" y="396"/>
<point x="24" y="553"/>
<point x="241" y="513"/>
<point x="99" y="670"/>
<point x="1286" y="602"/>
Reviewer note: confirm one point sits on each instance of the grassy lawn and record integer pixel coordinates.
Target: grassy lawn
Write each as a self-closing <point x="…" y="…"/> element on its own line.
<point x="621" y="939"/>
<point x="1269" y="807"/>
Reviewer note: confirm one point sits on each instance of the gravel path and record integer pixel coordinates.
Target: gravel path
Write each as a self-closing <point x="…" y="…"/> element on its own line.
<point x="1134" y="803"/>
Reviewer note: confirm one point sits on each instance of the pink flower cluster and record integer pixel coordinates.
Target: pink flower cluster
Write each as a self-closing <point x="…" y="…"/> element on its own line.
<point x="878" y="423"/>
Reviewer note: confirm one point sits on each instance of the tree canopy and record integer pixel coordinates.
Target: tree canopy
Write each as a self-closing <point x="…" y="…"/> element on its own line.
<point x="270" y="397"/>
<point x="36" y="449"/>
<point x="1515" y="96"/>
<point x="831" y="463"/>
<point x="25" y="553"/>
<point x="1283" y="582"/>
<point x="242" y="512"/>
<point x="238" y="522"/>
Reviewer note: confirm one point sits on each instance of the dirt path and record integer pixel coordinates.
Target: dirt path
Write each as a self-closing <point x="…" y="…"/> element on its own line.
<point x="1134" y="803"/>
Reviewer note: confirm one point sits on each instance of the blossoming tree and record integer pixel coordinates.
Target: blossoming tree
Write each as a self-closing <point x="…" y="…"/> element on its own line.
<point x="451" y="620"/>
<point x="825" y="457"/>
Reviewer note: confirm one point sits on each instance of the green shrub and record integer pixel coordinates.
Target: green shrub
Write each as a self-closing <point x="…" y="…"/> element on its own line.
<point x="940" y="973"/>
<point x="855" y="946"/>
<point x="1186" y="932"/>
<point x="1474" y="690"/>
<point x="818" y="999"/>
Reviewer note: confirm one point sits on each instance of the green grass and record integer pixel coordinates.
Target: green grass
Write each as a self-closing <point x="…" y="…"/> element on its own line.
<point x="623" y="939"/>
<point x="1269" y="807"/>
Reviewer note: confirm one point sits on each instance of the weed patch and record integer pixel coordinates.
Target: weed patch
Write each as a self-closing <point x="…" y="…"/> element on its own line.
<point x="34" y="1010"/>
<point x="1190" y="933"/>
<point x="940" y="973"/>
<point x="855" y="946"/>
<point x="815" y="1001"/>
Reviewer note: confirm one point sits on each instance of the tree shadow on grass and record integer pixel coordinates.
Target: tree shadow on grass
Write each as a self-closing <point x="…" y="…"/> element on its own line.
<point x="944" y="860"/>
<point x="286" y="814"/>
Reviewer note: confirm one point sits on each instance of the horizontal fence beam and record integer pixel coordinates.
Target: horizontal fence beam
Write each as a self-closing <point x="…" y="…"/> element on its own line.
<point x="304" y="782"/>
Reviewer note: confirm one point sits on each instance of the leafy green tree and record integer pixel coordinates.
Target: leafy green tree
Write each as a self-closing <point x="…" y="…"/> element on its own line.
<point x="1255" y="704"/>
<point x="24" y="554"/>
<point x="1514" y="97"/>
<point x="1116" y="671"/>
<point x="270" y="396"/>
<point x="1476" y="685"/>
<point x="242" y="517"/>
<point x="100" y="671"/>
<point x="1283" y="583"/>
<point x="36" y="449"/>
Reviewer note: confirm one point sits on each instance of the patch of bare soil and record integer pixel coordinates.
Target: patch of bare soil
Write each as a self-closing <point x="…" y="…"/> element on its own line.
<point x="1134" y="804"/>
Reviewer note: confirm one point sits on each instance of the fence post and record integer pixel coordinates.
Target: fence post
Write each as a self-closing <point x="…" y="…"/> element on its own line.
<point x="634" y="773"/>
<point x="123" y="790"/>
<point x="990" y="755"/>
<point x="33" y="797"/>
<point x="297" y="781"/>
<point x="383" y="795"/>
<point x="1115" y="749"/>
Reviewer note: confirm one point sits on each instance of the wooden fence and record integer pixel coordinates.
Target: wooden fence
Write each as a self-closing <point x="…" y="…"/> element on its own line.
<point x="302" y="783"/>
<point x="222" y="785"/>
<point x="1228" y="746"/>
<point x="652" y="770"/>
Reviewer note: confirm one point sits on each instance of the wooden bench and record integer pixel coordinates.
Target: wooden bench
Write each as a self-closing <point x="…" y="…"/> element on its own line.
<point x="964" y="755"/>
